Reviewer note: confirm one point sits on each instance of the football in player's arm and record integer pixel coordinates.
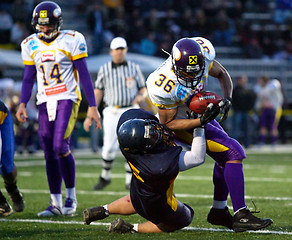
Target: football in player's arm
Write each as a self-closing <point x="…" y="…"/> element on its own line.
<point x="170" y="88"/>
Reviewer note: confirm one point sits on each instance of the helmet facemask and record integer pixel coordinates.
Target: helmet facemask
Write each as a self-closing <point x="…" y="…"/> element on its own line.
<point x="189" y="77"/>
<point x="50" y="34"/>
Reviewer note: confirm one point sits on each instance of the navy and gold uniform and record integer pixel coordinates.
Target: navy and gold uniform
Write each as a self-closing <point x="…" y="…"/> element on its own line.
<point x="6" y="141"/>
<point x="153" y="180"/>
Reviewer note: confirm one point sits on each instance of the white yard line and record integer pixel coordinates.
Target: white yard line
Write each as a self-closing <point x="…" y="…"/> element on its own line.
<point x="195" y="178"/>
<point x="107" y="224"/>
<point x="180" y="195"/>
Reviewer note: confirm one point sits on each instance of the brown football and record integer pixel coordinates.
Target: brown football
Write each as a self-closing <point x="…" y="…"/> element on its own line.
<point x="199" y="102"/>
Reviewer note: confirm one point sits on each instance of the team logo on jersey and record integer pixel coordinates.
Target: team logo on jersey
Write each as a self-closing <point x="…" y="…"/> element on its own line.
<point x="48" y="56"/>
<point x="193" y="59"/>
<point x="182" y="92"/>
<point x="82" y="47"/>
<point x="33" y="45"/>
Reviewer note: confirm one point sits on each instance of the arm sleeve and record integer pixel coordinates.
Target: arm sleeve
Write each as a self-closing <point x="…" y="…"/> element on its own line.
<point x="85" y="80"/>
<point x="27" y="83"/>
<point x="196" y="156"/>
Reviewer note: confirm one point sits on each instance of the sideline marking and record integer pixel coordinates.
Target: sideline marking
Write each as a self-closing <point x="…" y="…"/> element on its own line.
<point x="107" y="224"/>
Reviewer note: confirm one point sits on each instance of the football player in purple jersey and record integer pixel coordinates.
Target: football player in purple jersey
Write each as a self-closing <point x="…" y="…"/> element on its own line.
<point x="57" y="60"/>
<point x="170" y="87"/>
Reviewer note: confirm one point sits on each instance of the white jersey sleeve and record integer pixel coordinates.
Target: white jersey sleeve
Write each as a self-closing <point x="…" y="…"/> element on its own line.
<point x="57" y="77"/>
<point x="164" y="89"/>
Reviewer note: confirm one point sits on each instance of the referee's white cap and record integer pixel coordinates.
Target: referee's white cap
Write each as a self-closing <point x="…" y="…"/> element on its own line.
<point x="118" y="42"/>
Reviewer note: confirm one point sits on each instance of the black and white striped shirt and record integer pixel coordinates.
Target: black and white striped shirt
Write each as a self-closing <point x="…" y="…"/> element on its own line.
<point x="120" y="83"/>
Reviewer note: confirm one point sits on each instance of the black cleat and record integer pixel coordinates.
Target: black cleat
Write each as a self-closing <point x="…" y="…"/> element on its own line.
<point x="220" y="217"/>
<point x="101" y="184"/>
<point x="94" y="213"/>
<point x="244" y="220"/>
<point x="120" y="226"/>
<point x="5" y="209"/>
<point x="17" y="200"/>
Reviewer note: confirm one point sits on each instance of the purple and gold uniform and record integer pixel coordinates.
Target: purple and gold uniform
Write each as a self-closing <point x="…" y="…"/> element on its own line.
<point x="165" y="92"/>
<point x="153" y="181"/>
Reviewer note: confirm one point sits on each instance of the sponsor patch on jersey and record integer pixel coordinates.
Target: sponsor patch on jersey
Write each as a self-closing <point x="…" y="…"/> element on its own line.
<point x="56" y="90"/>
<point x="48" y="56"/>
<point x="182" y="92"/>
<point x="82" y="47"/>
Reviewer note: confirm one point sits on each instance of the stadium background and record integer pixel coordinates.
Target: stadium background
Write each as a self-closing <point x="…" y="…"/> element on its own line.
<point x="251" y="37"/>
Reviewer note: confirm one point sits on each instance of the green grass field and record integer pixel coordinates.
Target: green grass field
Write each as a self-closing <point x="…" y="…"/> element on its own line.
<point x="268" y="180"/>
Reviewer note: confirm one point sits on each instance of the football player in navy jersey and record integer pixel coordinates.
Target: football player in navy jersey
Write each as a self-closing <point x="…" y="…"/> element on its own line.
<point x="155" y="161"/>
<point x="7" y="168"/>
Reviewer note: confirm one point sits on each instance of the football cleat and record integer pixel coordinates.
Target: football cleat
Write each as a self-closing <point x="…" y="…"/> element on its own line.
<point x="101" y="184"/>
<point x="51" y="211"/>
<point x="94" y="213"/>
<point x="17" y="200"/>
<point x="70" y="206"/>
<point x="220" y="217"/>
<point x="5" y="209"/>
<point x="244" y="220"/>
<point x="120" y="226"/>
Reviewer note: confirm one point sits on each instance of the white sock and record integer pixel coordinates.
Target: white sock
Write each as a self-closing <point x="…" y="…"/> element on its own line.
<point x="71" y="193"/>
<point x="135" y="227"/>
<point x="57" y="200"/>
<point x="106" y="209"/>
<point x="219" y="204"/>
<point x="128" y="178"/>
<point x="106" y="174"/>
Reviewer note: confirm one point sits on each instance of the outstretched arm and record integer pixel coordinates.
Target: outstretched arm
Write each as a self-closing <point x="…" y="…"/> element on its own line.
<point x="196" y="156"/>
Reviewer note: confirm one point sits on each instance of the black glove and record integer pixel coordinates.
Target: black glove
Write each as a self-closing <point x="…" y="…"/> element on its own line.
<point x="225" y="106"/>
<point x="210" y="114"/>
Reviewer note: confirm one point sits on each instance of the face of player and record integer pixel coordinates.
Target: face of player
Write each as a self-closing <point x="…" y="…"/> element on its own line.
<point x="118" y="55"/>
<point x="47" y="30"/>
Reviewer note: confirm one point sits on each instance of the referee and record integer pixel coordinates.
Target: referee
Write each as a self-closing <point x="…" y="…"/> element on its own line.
<point x="121" y="85"/>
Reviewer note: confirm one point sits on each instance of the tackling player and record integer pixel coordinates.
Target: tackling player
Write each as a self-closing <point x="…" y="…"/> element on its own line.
<point x="170" y="86"/>
<point x="155" y="162"/>
<point x="57" y="60"/>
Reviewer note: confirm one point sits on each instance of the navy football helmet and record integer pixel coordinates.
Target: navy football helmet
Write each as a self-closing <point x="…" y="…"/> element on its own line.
<point x="50" y="14"/>
<point x="140" y="136"/>
<point x="188" y="62"/>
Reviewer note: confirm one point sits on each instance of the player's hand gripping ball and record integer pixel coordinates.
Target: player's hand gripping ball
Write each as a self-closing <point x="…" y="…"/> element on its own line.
<point x="199" y="102"/>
